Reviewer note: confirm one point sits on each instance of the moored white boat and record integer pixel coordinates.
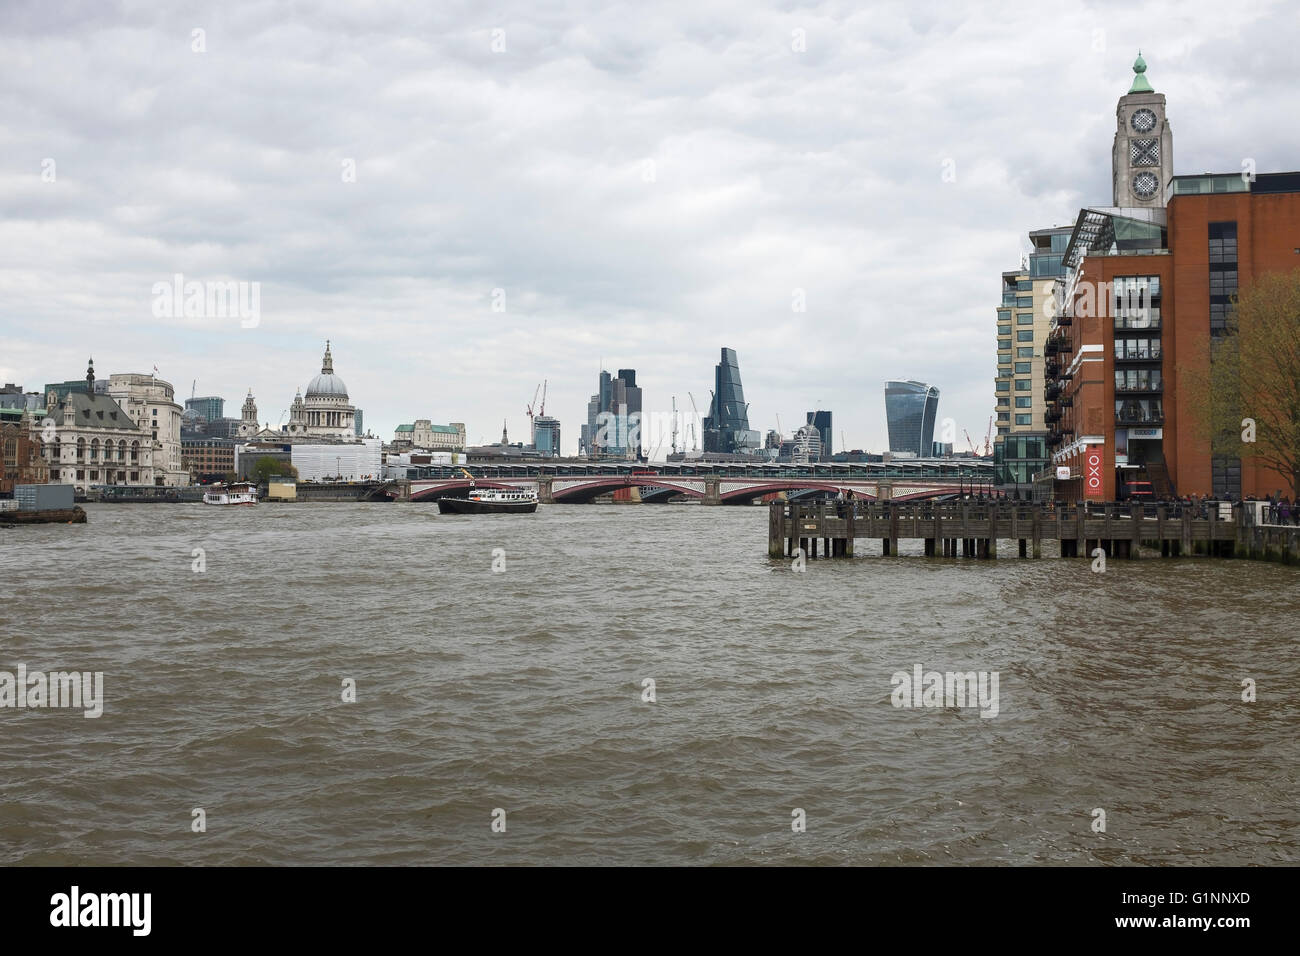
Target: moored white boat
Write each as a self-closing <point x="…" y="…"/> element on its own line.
<point x="239" y="493"/>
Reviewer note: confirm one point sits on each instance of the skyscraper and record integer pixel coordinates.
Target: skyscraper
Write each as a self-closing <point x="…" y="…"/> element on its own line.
<point x="546" y="435"/>
<point x="821" y="420"/>
<point x="910" y="409"/>
<point x="613" y="428"/>
<point x="726" y="427"/>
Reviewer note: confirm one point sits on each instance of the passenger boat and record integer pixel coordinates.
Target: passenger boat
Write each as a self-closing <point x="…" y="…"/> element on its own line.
<point x="239" y="493"/>
<point x="490" y="501"/>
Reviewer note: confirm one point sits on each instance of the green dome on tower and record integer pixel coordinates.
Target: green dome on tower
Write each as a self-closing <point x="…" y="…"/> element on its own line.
<point x="1140" y="83"/>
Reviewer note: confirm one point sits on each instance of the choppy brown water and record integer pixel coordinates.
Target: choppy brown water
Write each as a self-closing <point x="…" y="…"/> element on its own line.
<point x="522" y="690"/>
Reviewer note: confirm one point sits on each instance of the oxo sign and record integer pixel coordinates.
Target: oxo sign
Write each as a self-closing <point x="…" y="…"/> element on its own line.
<point x="1092" y="483"/>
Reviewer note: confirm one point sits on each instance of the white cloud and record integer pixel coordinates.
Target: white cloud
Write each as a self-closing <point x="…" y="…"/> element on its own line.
<point x="526" y="170"/>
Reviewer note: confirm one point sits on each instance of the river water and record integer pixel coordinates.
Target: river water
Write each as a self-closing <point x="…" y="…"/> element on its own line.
<point x="522" y="691"/>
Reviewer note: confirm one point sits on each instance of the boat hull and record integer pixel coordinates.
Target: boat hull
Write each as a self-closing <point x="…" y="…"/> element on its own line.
<point x="464" y="506"/>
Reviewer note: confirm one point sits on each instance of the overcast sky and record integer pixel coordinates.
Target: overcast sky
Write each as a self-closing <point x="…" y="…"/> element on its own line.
<point x="645" y="182"/>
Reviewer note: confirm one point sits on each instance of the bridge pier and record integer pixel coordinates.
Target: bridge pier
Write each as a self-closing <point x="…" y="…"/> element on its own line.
<point x="712" y="496"/>
<point x="544" y="490"/>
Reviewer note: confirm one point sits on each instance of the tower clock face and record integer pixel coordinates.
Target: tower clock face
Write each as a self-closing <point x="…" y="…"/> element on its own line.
<point x="1145" y="185"/>
<point x="1144" y="121"/>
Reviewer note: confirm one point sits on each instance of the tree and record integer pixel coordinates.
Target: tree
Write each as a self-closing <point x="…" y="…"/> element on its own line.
<point x="267" y="467"/>
<point x="1248" y="402"/>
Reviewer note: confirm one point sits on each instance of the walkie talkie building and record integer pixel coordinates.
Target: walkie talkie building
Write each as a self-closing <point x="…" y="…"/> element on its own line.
<point x="910" y="409"/>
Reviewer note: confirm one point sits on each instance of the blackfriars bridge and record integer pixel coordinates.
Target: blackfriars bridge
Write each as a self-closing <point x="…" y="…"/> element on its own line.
<point x="712" y="483"/>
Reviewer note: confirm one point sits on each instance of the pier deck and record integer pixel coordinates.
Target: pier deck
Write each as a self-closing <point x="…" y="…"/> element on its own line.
<point x="974" y="528"/>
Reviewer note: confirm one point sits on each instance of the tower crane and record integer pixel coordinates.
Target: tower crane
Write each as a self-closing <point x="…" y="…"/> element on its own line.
<point x="988" y="438"/>
<point x="674" y="424"/>
<point x="529" y="409"/>
<point x="973" y="450"/>
<point x="695" y="438"/>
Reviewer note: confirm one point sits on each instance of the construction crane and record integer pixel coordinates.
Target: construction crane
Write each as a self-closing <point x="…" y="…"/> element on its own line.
<point x="194" y="389"/>
<point x="780" y="432"/>
<point x="844" y="442"/>
<point x="988" y="439"/>
<point x="695" y="439"/>
<point x="529" y="409"/>
<point x="973" y="450"/>
<point x="542" y="409"/>
<point x="674" y="424"/>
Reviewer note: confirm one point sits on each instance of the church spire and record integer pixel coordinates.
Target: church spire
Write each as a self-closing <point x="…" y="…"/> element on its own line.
<point x="1140" y="83"/>
<point x="327" y="366"/>
<point x="90" y="377"/>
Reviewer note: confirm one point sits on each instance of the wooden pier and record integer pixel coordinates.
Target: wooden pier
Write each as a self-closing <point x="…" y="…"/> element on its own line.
<point x="974" y="528"/>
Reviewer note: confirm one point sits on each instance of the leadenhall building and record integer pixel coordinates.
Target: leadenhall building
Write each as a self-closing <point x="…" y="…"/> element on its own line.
<point x="1148" y="282"/>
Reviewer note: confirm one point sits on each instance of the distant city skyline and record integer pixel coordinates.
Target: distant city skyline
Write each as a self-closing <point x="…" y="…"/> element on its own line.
<point x="464" y="222"/>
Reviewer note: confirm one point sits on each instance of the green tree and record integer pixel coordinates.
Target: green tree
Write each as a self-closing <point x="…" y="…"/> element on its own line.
<point x="1248" y="403"/>
<point x="267" y="467"/>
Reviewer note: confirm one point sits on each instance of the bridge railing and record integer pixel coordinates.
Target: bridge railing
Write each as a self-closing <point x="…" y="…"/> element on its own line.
<point x="1003" y="510"/>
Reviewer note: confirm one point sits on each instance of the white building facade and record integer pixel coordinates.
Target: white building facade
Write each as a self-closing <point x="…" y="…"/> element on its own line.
<point x="356" y="461"/>
<point x="89" y="439"/>
<point x="151" y="404"/>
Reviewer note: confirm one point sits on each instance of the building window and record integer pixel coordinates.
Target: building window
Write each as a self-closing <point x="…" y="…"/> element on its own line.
<point x="1023" y="419"/>
<point x="1024" y="318"/>
<point x="1004" y="416"/>
<point x="1026" y="351"/>
<point x="1024" y="302"/>
<point x="1004" y="315"/>
<point x="1002" y="402"/>
<point x="1002" y="386"/>
<point x="1024" y="401"/>
<point x="1022" y="385"/>
<point x="1004" y="371"/>
<point x="1004" y="343"/>
<point x="1004" y="330"/>
<point x="1024" y="285"/>
<point x="1225" y="476"/>
<point x="1023" y="368"/>
<point x="1025" y="335"/>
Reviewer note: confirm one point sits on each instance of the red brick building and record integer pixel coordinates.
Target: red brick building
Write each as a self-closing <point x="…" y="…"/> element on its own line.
<point x="21" y="459"/>
<point x="1149" y="281"/>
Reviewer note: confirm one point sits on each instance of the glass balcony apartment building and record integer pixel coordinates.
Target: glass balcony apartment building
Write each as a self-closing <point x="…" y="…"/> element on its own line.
<point x="1024" y="319"/>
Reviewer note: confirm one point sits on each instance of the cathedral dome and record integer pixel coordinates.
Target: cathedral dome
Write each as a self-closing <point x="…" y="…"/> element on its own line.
<point x="327" y="384"/>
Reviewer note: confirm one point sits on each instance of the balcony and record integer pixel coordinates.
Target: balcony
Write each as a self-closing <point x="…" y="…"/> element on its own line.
<point x="1138" y="321"/>
<point x="1139" y="355"/>
<point x="1051" y="347"/>
<point x="1124" y="418"/>
<point x="1139" y="390"/>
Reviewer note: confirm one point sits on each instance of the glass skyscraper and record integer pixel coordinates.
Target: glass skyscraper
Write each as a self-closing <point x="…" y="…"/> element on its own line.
<point x="726" y="428"/>
<point x="613" y="426"/>
<point x="910" y="410"/>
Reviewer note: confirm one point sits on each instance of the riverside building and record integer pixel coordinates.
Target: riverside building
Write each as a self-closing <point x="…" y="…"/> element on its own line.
<point x="1024" y="320"/>
<point x="1149" y="283"/>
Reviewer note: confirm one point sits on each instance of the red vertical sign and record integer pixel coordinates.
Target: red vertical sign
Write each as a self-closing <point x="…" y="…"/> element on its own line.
<point x="1093" y="487"/>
